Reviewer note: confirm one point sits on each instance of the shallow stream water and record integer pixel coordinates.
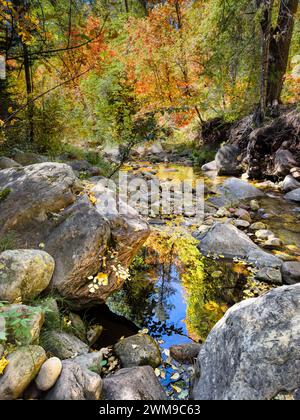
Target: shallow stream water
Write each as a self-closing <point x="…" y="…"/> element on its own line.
<point x="157" y="299"/>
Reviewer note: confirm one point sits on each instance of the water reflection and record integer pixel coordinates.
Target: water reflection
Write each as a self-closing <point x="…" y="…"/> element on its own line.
<point x="177" y="312"/>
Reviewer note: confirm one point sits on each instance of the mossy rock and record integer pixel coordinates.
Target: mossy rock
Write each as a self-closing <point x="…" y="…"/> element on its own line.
<point x="63" y="345"/>
<point x="138" y="350"/>
<point x="23" y="366"/>
<point x="24" y="274"/>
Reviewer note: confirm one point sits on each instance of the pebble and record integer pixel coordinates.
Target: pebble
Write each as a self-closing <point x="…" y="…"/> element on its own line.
<point x="241" y="223"/>
<point x="258" y="226"/>
<point x="49" y="374"/>
<point x="222" y="212"/>
<point x="254" y="205"/>
<point x="273" y="243"/>
<point x="264" y="234"/>
<point x="243" y="215"/>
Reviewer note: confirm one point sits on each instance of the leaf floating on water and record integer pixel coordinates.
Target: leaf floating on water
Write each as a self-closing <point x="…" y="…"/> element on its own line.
<point x="176" y="388"/>
<point x="166" y="352"/>
<point x="157" y="372"/>
<point x="175" y="377"/>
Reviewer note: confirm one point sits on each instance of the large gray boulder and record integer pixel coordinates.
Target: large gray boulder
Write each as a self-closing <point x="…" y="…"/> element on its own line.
<point x="82" y="238"/>
<point x="77" y="243"/>
<point x="42" y="208"/>
<point x="253" y="352"/>
<point x="76" y="382"/>
<point x="137" y="383"/>
<point x="33" y="193"/>
<point x="234" y="190"/>
<point x="23" y="366"/>
<point x="227" y="160"/>
<point x="293" y="195"/>
<point x="24" y="274"/>
<point x="128" y="230"/>
<point x="227" y="240"/>
<point x="138" y="350"/>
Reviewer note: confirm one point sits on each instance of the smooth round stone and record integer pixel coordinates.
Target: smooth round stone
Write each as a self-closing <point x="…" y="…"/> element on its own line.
<point x="254" y="205"/>
<point x="241" y="223"/>
<point x="243" y="215"/>
<point x="49" y="374"/>
<point x="273" y="243"/>
<point x="264" y="234"/>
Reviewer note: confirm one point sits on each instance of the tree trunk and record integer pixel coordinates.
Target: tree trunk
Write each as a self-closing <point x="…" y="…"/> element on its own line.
<point x="126" y="6"/>
<point x="279" y="50"/>
<point x="29" y="91"/>
<point x="266" y="7"/>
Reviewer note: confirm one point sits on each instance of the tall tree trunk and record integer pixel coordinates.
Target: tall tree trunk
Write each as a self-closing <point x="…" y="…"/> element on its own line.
<point x="29" y="91"/>
<point x="126" y="6"/>
<point x="279" y="50"/>
<point x="266" y="7"/>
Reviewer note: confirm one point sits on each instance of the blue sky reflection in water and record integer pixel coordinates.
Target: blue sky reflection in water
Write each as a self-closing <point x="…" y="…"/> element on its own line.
<point x="160" y="305"/>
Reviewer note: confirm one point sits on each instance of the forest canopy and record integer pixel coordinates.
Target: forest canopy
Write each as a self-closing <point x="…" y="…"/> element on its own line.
<point x="118" y="71"/>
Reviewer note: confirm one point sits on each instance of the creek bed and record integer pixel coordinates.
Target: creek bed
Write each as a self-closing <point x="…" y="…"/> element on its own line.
<point x="158" y="301"/>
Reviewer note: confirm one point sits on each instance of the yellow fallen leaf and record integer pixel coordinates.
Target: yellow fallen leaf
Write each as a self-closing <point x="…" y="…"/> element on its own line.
<point x="102" y="279"/>
<point x="92" y="198"/>
<point x="176" y="388"/>
<point x="292" y="247"/>
<point x="3" y="363"/>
